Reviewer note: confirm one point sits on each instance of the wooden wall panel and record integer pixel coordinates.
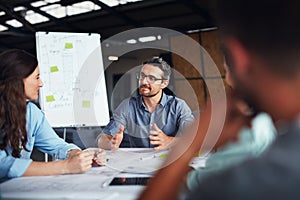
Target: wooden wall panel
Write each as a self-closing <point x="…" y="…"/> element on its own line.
<point x="210" y="41"/>
<point x="179" y="63"/>
<point x="192" y="91"/>
<point x="189" y="84"/>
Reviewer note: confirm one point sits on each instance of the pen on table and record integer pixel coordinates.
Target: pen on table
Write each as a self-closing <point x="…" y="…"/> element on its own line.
<point x="147" y="157"/>
<point x="106" y="182"/>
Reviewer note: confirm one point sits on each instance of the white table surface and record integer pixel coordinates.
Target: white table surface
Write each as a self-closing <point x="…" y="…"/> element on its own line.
<point x="127" y="162"/>
<point x="77" y="186"/>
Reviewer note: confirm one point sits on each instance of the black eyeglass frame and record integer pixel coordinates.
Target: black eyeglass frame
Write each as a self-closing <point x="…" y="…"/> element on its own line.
<point x="151" y="79"/>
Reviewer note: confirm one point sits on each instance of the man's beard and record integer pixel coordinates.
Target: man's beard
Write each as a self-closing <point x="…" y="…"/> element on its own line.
<point x="147" y="95"/>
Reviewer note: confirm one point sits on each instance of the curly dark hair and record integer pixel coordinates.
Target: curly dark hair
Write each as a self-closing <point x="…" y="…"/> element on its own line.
<point x="15" y="65"/>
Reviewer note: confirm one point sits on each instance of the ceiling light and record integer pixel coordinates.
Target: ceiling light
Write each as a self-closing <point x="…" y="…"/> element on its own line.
<point x="113" y="58"/>
<point x="19" y="8"/>
<point x="72" y="10"/>
<point x="3" y="28"/>
<point x="147" y="39"/>
<point x="15" y="23"/>
<point x="131" y="41"/>
<point x="193" y="31"/>
<point x="82" y="7"/>
<point x="209" y="29"/>
<point x="55" y="10"/>
<point x="2" y="13"/>
<point x="38" y="3"/>
<point x="52" y="1"/>
<point x="112" y="3"/>
<point x="122" y="2"/>
<point x="35" y="18"/>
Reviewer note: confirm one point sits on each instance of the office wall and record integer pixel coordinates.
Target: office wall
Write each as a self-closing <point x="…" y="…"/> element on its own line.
<point x="186" y="82"/>
<point x="121" y="75"/>
<point x="188" y="77"/>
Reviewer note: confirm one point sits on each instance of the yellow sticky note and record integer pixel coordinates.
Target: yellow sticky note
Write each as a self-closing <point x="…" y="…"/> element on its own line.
<point x="69" y="45"/>
<point x="86" y="104"/>
<point x="53" y="69"/>
<point x="50" y="98"/>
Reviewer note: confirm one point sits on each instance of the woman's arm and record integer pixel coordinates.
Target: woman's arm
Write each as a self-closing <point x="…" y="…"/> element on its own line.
<point x="78" y="162"/>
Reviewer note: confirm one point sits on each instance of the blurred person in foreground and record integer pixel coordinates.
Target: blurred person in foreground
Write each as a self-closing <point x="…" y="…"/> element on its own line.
<point x="252" y="142"/>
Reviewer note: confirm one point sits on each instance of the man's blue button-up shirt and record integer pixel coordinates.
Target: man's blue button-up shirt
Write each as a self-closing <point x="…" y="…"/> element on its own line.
<point x="172" y="115"/>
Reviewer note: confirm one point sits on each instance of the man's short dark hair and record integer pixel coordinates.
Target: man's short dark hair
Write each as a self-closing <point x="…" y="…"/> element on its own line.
<point x="163" y="65"/>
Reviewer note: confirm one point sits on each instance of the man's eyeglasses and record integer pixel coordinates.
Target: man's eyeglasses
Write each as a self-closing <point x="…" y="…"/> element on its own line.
<point x="150" y="79"/>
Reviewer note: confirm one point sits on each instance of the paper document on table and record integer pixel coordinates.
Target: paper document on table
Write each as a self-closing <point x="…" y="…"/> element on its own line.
<point x="75" y="186"/>
<point x="137" y="161"/>
<point x="199" y="160"/>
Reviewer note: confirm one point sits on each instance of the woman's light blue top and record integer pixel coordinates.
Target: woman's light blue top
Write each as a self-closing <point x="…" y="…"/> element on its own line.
<point x="40" y="135"/>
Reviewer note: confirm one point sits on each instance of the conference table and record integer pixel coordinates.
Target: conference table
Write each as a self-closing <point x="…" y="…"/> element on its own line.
<point x="124" y="177"/>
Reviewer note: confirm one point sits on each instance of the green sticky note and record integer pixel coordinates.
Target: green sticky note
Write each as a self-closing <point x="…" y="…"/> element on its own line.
<point x="53" y="69"/>
<point x="163" y="156"/>
<point x="86" y="104"/>
<point x="50" y="98"/>
<point x="68" y="45"/>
